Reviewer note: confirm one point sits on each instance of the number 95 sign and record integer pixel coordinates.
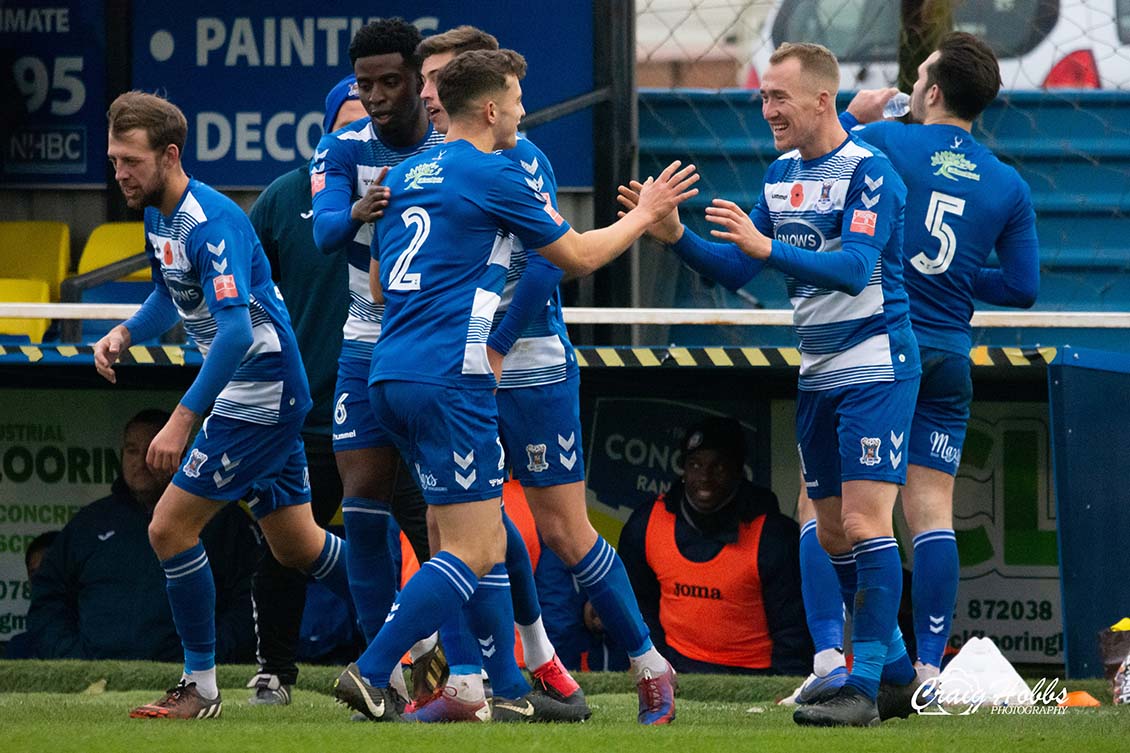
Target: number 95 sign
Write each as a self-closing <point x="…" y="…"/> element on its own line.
<point x="54" y="59"/>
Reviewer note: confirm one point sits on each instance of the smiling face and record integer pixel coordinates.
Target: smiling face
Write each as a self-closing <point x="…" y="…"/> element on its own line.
<point x="139" y="169"/>
<point x="389" y="89"/>
<point x="430" y="69"/>
<point x="791" y="104"/>
<point x="710" y="478"/>
<point x="509" y="112"/>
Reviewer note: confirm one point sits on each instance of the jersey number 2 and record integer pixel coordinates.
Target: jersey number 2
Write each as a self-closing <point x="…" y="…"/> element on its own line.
<point x="940" y="204"/>
<point x="400" y="278"/>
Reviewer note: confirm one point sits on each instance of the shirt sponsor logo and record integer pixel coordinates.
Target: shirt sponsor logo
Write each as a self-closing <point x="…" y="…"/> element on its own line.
<point x="952" y="166"/>
<point x="863" y="221"/>
<point x="185" y="294"/>
<point x="800" y="234"/>
<point x="426" y="173"/>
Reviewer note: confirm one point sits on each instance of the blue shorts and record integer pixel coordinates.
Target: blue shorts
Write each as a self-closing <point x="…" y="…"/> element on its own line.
<point x="232" y="459"/>
<point x="854" y="432"/>
<point x="354" y="427"/>
<point x="540" y="428"/>
<point x="942" y="412"/>
<point x="447" y="435"/>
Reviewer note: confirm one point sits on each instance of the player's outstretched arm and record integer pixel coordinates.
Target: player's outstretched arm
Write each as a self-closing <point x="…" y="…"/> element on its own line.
<point x="582" y="254"/>
<point x="155" y="317"/>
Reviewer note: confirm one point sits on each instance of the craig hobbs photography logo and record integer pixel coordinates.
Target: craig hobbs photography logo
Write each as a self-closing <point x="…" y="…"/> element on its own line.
<point x="959" y="693"/>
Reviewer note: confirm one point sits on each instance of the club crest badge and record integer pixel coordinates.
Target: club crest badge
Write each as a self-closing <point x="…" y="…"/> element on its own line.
<point x="535" y="453"/>
<point x="870" y="451"/>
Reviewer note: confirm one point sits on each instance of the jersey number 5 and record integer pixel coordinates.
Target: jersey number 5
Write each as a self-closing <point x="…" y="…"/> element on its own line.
<point x="940" y="204"/>
<point x="400" y="278"/>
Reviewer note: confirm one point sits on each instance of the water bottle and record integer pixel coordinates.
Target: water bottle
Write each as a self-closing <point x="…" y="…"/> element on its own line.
<point x="897" y="106"/>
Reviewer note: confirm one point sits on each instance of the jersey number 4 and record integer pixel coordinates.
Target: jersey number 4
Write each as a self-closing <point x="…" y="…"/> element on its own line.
<point x="940" y="204"/>
<point x="400" y="278"/>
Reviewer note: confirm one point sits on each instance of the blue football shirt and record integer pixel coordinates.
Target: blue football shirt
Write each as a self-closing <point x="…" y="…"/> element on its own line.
<point x="444" y="248"/>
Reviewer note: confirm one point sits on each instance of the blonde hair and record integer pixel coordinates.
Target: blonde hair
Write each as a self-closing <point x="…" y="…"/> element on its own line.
<point x="815" y="59"/>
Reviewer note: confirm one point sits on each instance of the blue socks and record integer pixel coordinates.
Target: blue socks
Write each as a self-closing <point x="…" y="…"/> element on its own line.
<point x="192" y="598"/>
<point x="934" y="591"/>
<point x="602" y="575"/>
<point x="329" y="567"/>
<point x="460" y="646"/>
<point x="429" y="599"/>
<point x="372" y="573"/>
<point x="818" y="581"/>
<point x="879" y="589"/>
<point x="491" y="616"/>
<point x="527" y="610"/>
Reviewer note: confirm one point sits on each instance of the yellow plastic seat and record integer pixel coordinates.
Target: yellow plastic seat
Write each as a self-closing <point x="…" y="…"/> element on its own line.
<point x="16" y="290"/>
<point x="36" y="250"/>
<point x="111" y="242"/>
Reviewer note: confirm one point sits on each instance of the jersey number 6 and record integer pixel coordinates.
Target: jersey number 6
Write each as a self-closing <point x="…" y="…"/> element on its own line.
<point x="400" y="278"/>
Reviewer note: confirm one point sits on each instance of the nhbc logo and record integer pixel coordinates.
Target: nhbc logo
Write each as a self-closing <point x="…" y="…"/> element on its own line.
<point x="959" y="693"/>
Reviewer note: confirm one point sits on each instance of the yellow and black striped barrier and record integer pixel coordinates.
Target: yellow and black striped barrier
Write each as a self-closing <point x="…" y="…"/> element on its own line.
<point x="587" y="357"/>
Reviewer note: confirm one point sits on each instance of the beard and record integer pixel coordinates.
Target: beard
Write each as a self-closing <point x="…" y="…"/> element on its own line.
<point x="150" y="195"/>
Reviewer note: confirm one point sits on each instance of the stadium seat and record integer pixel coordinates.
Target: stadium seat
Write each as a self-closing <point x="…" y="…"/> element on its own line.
<point x="111" y="242"/>
<point x="37" y="251"/>
<point x="14" y="290"/>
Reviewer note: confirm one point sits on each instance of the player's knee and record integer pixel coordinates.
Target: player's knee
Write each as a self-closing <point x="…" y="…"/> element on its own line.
<point x="167" y="540"/>
<point x="859" y="526"/>
<point x="832" y="540"/>
<point x="569" y="542"/>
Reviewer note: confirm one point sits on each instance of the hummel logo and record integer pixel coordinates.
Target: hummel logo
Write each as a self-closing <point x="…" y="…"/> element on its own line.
<point x="227" y="463"/>
<point x="567" y="460"/>
<point x="872" y="184"/>
<point x="530" y="167"/>
<point x="895" y="459"/>
<point x="869" y="201"/>
<point x="464" y="461"/>
<point x="215" y="250"/>
<point x="567" y="444"/>
<point x="105" y="536"/>
<point x="465" y="481"/>
<point x="486" y="645"/>
<point x="221" y="267"/>
<point x="937" y="624"/>
<point x="392" y="612"/>
<point x="896" y="441"/>
<point x="220" y="481"/>
<point x="306" y="215"/>
<point x="319" y="156"/>
<point x="526" y="710"/>
<point x="536" y="184"/>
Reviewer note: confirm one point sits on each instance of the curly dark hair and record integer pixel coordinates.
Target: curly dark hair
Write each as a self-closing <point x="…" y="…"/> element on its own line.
<point x="384" y="36"/>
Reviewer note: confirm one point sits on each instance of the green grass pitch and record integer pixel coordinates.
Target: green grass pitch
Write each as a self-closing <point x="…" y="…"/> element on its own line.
<point x="82" y="713"/>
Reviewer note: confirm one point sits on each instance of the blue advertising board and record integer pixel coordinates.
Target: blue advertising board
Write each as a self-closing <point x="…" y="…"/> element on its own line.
<point x="252" y="79"/>
<point x="53" y="64"/>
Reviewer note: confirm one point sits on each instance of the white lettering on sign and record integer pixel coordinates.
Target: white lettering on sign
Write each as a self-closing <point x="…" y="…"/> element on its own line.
<point x="30" y="20"/>
<point x="287" y="41"/>
<point x="217" y="133"/>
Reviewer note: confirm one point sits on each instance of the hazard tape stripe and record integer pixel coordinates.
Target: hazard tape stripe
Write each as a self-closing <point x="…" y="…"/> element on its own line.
<point x="587" y="357"/>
